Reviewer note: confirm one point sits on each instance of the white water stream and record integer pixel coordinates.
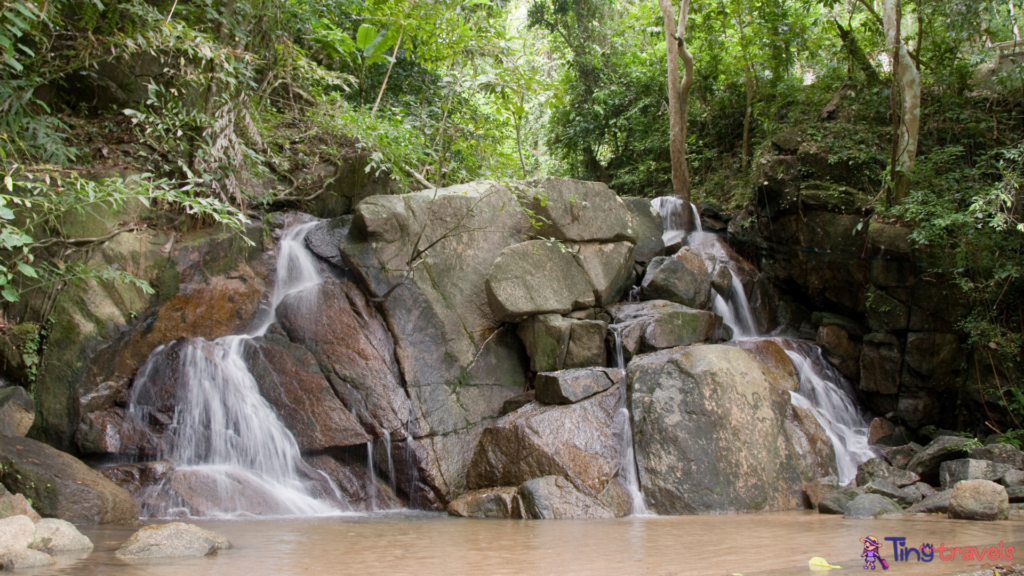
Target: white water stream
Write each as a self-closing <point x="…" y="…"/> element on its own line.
<point x="224" y="436"/>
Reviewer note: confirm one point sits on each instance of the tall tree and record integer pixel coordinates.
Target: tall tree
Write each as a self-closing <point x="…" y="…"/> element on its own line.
<point x="678" y="98"/>
<point x="906" y="103"/>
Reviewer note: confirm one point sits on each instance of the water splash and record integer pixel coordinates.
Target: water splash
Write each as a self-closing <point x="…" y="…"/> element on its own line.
<point x="671" y="209"/>
<point x="735" y="311"/>
<point x="628" y="468"/>
<point x="224" y="438"/>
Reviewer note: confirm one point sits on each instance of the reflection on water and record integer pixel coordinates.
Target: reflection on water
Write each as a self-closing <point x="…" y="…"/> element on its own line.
<point x="429" y="544"/>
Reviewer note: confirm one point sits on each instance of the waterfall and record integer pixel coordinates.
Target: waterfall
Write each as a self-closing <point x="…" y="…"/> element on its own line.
<point x="671" y="210"/>
<point x="628" y="463"/>
<point x="223" y="436"/>
<point x="735" y="311"/>
<point x="830" y="396"/>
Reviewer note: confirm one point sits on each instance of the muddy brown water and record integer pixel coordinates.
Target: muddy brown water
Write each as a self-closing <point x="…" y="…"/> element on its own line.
<point x="433" y="544"/>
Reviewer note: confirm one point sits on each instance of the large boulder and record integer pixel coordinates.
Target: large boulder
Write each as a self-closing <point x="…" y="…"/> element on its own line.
<point x="836" y="501"/>
<point x="710" y="433"/>
<point x="683" y="278"/>
<point x="503" y="502"/>
<point x="819" y="488"/>
<point x="953" y="471"/>
<point x="17" y="411"/>
<point x="353" y="348"/>
<point x="871" y="506"/>
<point x="926" y="463"/>
<point x="932" y="503"/>
<point x="811" y="447"/>
<point x="979" y="500"/>
<point x="174" y="540"/>
<point x="16" y="532"/>
<point x="554" y="497"/>
<point x="55" y="535"/>
<point x="578" y="211"/>
<point x="658" y="324"/>
<point x="609" y="267"/>
<point x="537" y="277"/>
<point x="291" y="381"/>
<point x="648" y="226"/>
<point x="16" y="505"/>
<point x="61" y="486"/>
<point x="569" y="386"/>
<point x="581" y="442"/>
<point x="20" y="558"/>
<point x="554" y="342"/>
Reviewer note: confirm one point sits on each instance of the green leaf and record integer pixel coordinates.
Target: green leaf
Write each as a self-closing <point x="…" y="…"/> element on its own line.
<point x="10" y="294"/>
<point x="27" y="270"/>
<point x="9" y="183"/>
<point x="365" y="36"/>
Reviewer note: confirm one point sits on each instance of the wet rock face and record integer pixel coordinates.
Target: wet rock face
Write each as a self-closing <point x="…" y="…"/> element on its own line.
<point x="648" y="226"/>
<point x="840" y="350"/>
<point x="501" y="502"/>
<point x="362" y="492"/>
<point x="579" y="211"/>
<point x="353" y="348"/>
<point x="709" y="432"/>
<point x="61" y="486"/>
<point x="581" y="442"/>
<point x="609" y="266"/>
<point x="290" y="379"/>
<point x="537" y="277"/>
<point x="775" y="363"/>
<point x="978" y="500"/>
<point x="554" y="498"/>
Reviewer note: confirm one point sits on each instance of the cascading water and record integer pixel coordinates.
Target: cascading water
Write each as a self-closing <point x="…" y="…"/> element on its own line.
<point x="735" y="311"/>
<point x="671" y="210"/>
<point x="224" y="438"/>
<point x="628" y="464"/>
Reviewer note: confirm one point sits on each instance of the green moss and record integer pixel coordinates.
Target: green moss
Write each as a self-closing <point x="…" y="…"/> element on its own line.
<point x="167" y="282"/>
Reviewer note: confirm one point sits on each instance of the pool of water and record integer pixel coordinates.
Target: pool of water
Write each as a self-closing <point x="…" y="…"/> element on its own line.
<point x="432" y="544"/>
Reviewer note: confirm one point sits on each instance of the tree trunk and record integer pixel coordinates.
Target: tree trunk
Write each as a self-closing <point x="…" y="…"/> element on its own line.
<point x="678" y="99"/>
<point x="907" y="80"/>
<point x="857" y="54"/>
<point x="519" y="145"/>
<point x="749" y="83"/>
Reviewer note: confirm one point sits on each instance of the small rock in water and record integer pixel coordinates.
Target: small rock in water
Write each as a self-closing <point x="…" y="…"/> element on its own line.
<point x="57" y="535"/>
<point x="979" y="500"/>
<point x="820" y="488"/>
<point x="871" y="506"/>
<point x="876" y="468"/>
<point x="501" y="502"/>
<point x="836" y="502"/>
<point x="16" y="532"/>
<point x="174" y="540"/>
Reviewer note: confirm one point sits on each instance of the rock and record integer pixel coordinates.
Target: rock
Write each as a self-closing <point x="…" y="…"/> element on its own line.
<point x="787" y="142"/>
<point x="876" y="468"/>
<point x="16" y="505"/>
<point x="871" y="506"/>
<point x="457" y="361"/>
<point x="878" y="429"/>
<point x="16" y="532"/>
<point x="1015" y="493"/>
<point x="60" y="536"/>
<point x="916" y="408"/>
<point x="353" y="349"/>
<point x="536" y="277"/>
<point x="775" y="363"/>
<point x="851" y="327"/>
<point x="546" y="338"/>
<point x="1000" y="454"/>
<point x="842" y="352"/>
<point x="954" y="471"/>
<point x="979" y="500"/>
<point x="581" y="442"/>
<point x="174" y="540"/>
<point x="881" y="360"/>
<point x="682" y="278"/>
<point x="609" y="267"/>
<point x="291" y="381"/>
<point x="1013" y="478"/>
<point x="516" y="402"/>
<point x="17" y="411"/>
<point x="933" y="353"/>
<point x="816" y="490"/>
<point x="886" y="313"/>
<point x="587" y="344"/>
<point x="110" y="431"/>
<point x="900" y="456"/>
<point x="554" y="497"/>
<point x="61" y="486"/>
<point x="710" y="433"/>
<point x="764" y="300"/>
<point x="925" y="490"/>
<point x="324" y="239"/>
<point x="136" y="478"/>
<point x="811" y="447"/>
<point x="569" y="386"/>
<point x="18" y="559"/>
<point x="649" y="228"/>
<point x="911" y="495"/>
<point x="933" y="503"/>
<point x="657" y="325"/>
<point x="501" y="502"/>
<point x="926" y="462"/>
<point x="902" y="496"/>
<point x="577" y="211"/>
<point x="835" y="502"/>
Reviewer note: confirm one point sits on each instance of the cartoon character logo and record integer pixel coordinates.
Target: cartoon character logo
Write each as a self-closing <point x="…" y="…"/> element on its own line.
<point x="870" y="554"/>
